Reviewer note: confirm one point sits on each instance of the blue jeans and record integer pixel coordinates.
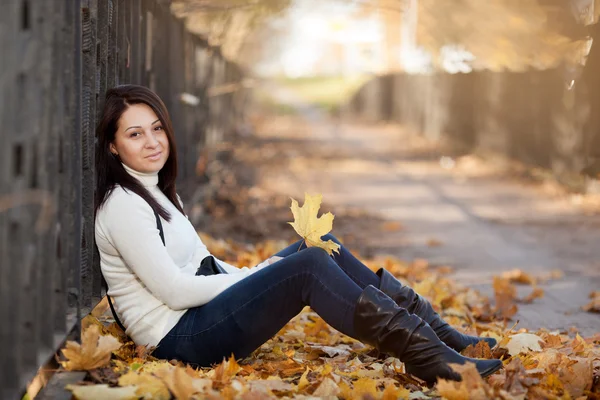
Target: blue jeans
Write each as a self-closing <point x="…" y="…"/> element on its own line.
<point x="247" y="314"/>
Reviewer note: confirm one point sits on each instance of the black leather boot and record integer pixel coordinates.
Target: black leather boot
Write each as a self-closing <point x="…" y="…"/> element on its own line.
<point x="391" y="329"/>
<point x="406" y="297"/>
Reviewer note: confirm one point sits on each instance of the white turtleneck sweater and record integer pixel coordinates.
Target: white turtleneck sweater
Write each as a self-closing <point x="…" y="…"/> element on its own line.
<point x="153" y="285"/>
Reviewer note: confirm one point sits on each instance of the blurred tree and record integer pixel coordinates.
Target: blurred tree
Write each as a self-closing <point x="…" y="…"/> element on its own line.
<point x="227" y="23"/>
<point x="503" y="34"/>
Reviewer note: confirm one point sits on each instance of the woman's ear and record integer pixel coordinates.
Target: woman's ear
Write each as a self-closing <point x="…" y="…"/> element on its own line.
<point x="113" y="149"/>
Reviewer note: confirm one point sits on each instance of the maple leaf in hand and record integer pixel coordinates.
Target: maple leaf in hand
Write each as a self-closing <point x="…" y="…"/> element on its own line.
<point x="311" y="228"/>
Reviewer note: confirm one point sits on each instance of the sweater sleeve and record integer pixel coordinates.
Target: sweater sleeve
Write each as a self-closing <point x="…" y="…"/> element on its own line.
<point x="131" y="228"/>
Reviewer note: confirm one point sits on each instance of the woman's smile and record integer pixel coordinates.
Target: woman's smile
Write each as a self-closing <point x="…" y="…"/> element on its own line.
<point x="155" y="156"/>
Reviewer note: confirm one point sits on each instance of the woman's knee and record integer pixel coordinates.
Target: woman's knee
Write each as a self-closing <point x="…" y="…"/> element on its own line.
<point x="314" y="257"/>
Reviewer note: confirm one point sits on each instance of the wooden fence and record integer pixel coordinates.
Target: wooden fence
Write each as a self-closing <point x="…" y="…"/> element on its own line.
<point x="58" y="59"/>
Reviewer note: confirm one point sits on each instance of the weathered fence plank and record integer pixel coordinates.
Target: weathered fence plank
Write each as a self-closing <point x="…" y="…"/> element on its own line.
<point x="58" y="59"/>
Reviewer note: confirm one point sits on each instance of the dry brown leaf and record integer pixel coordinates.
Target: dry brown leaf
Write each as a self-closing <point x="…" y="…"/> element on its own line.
<point x="505" y="294"/>
<point x="226" y="370"/>
<point x="594" y="304"/>
<point x="471" y="387"/>
<point x="536" y="293"/>
<point x="268" y="386"/>
<point x="180" y="383"/>
<point x="93" y="352"/>
<point x="480" y="350"/>
<point x="391" y="226"/>
<point x="103" y="392"/>
<point x="148" y="386"/>
<point x="518" y="276"/>
<point x="327" y="388"/>
<point x="517" y="381"/>
<point x="434" y="243"/>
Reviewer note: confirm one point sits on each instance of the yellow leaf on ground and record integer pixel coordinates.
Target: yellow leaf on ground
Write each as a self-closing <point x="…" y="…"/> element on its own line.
<point x="310" y="227"/>
<point x="303" y="382"/>
<point x="148" y="386"/>
<point x="103" y="392"/>
<point x="93" y="352"/>
<point x="391" y="392"/>
<point x="365" y="387"/>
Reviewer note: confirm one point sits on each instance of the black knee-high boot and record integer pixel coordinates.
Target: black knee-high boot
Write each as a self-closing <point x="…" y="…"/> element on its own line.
<point x="406" y="297"/>
<point x="380" y="322"/>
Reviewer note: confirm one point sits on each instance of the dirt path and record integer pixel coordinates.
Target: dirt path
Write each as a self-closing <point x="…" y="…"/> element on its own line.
<point x="480" y="225"/>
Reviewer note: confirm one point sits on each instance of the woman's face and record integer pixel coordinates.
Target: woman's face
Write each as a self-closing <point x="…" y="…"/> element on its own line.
<point x="141" y="141"/>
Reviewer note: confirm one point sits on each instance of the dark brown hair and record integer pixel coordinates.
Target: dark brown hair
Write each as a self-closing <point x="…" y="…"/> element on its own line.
<point x="110" y="171"/>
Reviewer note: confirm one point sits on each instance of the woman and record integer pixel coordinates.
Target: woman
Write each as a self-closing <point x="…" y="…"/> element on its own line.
<point x="201" y="319"/>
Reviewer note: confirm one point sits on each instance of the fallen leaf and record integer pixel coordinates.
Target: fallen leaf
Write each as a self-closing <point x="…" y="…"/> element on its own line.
<point x="471" y="387"/>
<point x="594" y="304"/>
<point x="523" y="342"/>
<point x="93" y="352"/>
<point x="434" y="243"/>
<point x="392" y="392"/>
<point x="518" y="276"/>
<point x="103" y="392"/>
<point x="269" y="385"/>
<point x="536" y="293"/>
<point x="327" y="388"/>
<point x="391" y="226"/>
<point x="505" y="294"/>
<point x="148" y="386"/>
<point x="480" y="350"/>
<point x="226" y="370"/>
<point x="180" y="383"/>
<point x="331" y="351"/>
<point x="364" y="387"/>
<point x="452" y="391"/>
<point x="303" y="382"/>
<point x="310" y="227"/>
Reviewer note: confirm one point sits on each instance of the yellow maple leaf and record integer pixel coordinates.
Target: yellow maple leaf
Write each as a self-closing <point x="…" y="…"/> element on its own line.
<point x="311" y="228"/>
<point x="93" y="352"/>
<point x="364" y="387"/>
<point x="148" y="386"/>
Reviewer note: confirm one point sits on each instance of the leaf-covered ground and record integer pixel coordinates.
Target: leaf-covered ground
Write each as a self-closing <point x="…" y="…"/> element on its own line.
<point x="309" y="359"/>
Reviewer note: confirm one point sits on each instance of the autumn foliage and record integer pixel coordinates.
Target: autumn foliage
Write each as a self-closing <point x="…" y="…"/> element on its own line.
<point x="308" y="358"/>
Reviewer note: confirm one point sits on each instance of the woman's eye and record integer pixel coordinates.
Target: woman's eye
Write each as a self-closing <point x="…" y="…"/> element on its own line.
<point x="134" y="134"/>
<point x="158" y="128"/>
